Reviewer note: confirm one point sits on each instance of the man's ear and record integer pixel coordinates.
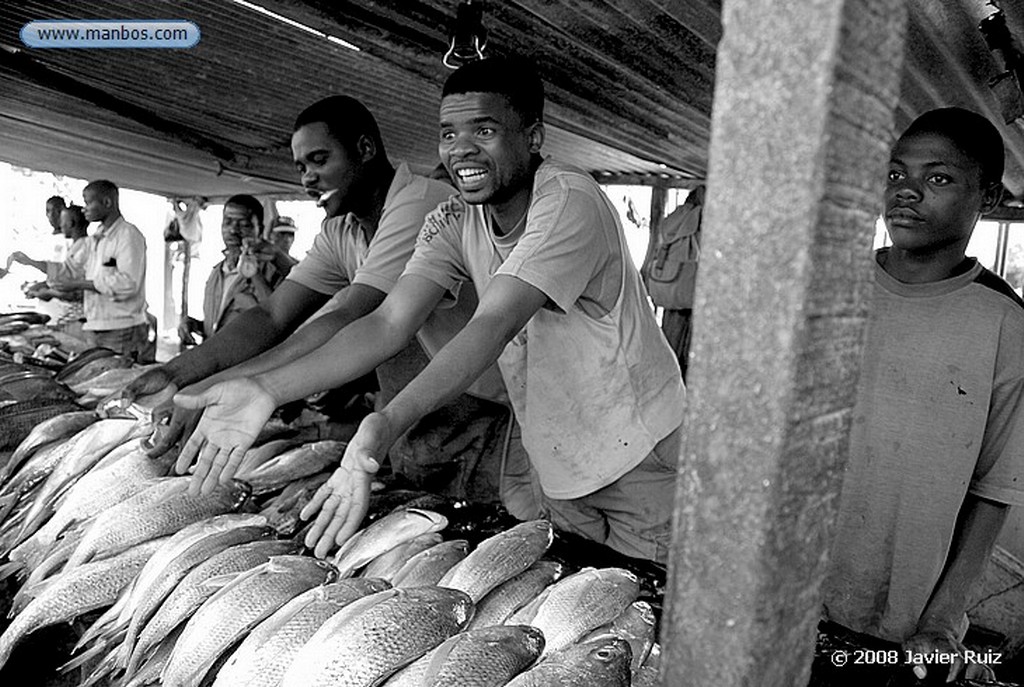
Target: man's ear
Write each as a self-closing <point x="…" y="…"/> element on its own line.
<point x="366" y="148"/>
<point x="535" y="134"/>
<point x="991" y="196"/>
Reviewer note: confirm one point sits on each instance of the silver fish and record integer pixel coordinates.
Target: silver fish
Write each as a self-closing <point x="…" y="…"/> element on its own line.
<point x="55" y="429"/>
<point x="598" y="663"/>
<point x="95" y="492"/>
<point x="371" y="638"/>
<point x="266" y="653"/>
<point x="636" y="625"/>
<point x="289" y="466"/>
<point x="488" y="657"/>
<point x="198" y="586"/>
<point x="229" y="615"/>
<point x="85" y="449"/>
<point x="84" y="589"/>
<point x="162" y="509"/>
<point x="385" y="534"/>
<point x="386" y="565"/>
<point x="572" y="607"/>
<point x="499" y="558"/>
<point x="510" y="596"/>
<point x="427" y="567"/>
<point x="182" y="552"/>
<point x="258" y="455"/>
<point x="283" y="510"/>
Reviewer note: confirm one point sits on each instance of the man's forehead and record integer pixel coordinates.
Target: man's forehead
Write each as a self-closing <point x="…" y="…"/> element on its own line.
<point x="237" y="211"/>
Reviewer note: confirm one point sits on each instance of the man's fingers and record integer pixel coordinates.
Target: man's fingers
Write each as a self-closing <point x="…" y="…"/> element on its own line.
<point x="231" y="466"/>
<point x="188" y="453"/>
<point x="315" y="503"/>
<point x="321" y="534"/>
<point x="203" y="464"/>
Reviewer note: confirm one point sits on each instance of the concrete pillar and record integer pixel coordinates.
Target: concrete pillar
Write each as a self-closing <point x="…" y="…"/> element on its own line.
<point x="801" y="128"/>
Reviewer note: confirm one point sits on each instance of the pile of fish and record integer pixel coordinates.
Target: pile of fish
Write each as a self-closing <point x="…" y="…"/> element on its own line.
<point x="219" y="589"/>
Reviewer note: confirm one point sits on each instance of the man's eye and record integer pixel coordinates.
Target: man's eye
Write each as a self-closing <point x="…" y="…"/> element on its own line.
<point x="895" y="175"/>
<point x="447" y="135"/>
<point x="939" y="179"/>
<point x="485" y="131"/>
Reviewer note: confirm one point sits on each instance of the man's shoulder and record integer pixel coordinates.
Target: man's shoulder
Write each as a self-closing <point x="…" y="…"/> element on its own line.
<point x="449" y="215"/>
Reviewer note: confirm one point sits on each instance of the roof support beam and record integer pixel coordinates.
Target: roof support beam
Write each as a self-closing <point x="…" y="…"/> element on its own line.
<point x="801" y="124"/>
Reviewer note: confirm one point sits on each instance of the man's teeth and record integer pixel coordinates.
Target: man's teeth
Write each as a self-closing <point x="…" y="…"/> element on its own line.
<point x="471" y="174"/>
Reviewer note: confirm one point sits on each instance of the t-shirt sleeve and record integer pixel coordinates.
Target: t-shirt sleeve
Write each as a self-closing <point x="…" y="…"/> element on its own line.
<point x="396" y="236"/>
<point x="565" y="244"/>
<point x="324" y="268"/>
<point x="999" y="475"/>
<point x="438" y="253"/>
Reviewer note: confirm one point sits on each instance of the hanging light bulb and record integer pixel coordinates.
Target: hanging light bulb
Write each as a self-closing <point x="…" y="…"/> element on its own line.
<point x="469" y="37"/>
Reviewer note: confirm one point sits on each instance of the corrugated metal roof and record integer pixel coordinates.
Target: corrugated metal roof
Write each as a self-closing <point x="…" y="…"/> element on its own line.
<point x="630" y="84"/>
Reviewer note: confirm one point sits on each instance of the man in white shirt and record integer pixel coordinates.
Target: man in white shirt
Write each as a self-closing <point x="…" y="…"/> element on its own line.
<point x="115" y="276"/>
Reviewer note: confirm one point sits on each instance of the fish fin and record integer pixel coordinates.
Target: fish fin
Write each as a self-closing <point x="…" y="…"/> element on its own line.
<point x="221" y="581"/>
<point x="83" y="658"/>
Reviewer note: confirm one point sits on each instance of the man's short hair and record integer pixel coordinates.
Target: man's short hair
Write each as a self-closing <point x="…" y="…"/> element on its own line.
<point x="56" y="200"/>
<point x="346" y="118"/>
<point x="974" y="135"/>
<point x="77" y="215"/>
<point x="106" y="189"/>
<point x="515" y="78"/>
<point x="249" y="203"/>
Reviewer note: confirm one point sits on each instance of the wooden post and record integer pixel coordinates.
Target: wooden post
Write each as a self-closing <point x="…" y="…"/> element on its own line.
<point x="801" y="129"/>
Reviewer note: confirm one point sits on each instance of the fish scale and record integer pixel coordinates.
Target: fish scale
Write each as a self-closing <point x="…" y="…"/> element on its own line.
<point x="164" y="508"/>
<point x="266" y="653"/>
<point x="194" y="589"/>
<point x="81" y="590"/>
<point x="227" y="616"/>
<point x="574" y="606"/>
<point x="371" y="638"/>
<point x="487" y="657"/>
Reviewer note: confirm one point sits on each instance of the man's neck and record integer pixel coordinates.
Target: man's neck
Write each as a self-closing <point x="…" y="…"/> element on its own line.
<point x="111" y="218"/>
<point x="913" y="268"/>
<point x="369" y="211"/>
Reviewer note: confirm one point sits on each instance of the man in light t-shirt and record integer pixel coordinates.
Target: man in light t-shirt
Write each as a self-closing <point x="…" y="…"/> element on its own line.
<point x="375" y="210"/>
<point x="562" y="311"/>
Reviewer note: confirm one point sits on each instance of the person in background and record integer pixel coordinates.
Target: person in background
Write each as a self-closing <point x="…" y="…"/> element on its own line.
<point x="54" y="206"/>
<point x="250" y="271"/>
<point x="374" y="213"/>
<point x="562" y="312"/>
<point x="114" y="281"/>
<point x="282" y="235"/>
<point x="74" y="227"/>
<point x="670" y="272"/>
<point x="937" y="441"/>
